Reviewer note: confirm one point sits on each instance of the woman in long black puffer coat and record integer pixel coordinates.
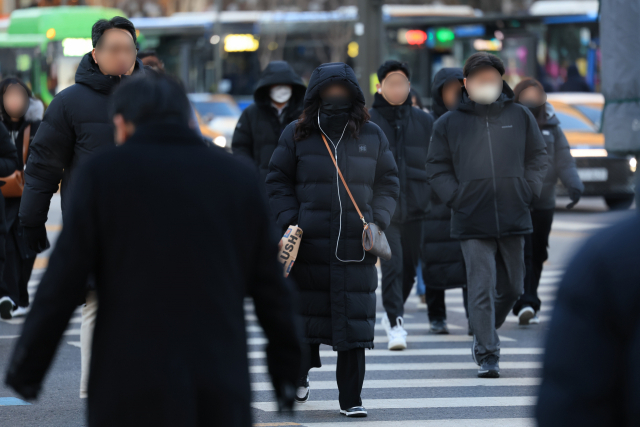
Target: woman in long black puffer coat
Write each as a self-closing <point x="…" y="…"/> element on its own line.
<point x="337" y="279"/>
<point x="21" y="115"/>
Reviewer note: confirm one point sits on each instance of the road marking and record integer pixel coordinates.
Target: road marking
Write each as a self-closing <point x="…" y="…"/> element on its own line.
<point x="410" y="338"/>
<point x="418" y="403"/>
<point x="67" y="332"/>
<point x="41" y="262"/>
<point x="421" y="383"/>
<point x="250" y="317"/>
<point x="542" y="317"/>
<point x="20" y="320"/>
<point x="54" y="227"/>
<point x="490" y="422"/>
<point x="12" y="401"/>
<point x="509" y="351"/>
<point x="437" y="366"/>
<point x="576" y="226"/>
<point x="408" y="326"/>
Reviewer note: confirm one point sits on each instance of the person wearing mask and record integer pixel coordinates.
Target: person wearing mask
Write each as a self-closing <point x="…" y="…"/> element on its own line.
<point x="278" y="101"/>
<point x="8" y="165"/>
<point x="408" y="130"/>
<point x="21" y="115"/>
<point x="75" y="127"/>
<point x="198" y="377"/>
<point x="530" y="93"/>
<point x="574" y="82"/>
<point x="442" y="261"/>
<point x="335" y="276"/>
<point x="487" y="162"/>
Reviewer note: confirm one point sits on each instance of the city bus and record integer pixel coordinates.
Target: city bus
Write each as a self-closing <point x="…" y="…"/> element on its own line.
<point x="43" y="45"/>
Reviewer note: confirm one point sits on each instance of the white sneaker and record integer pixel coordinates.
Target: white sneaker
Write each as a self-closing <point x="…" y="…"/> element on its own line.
<point x="20" y="312"/>
<point x="6" y="307"/>
<point x="525" y="315"/>
<point x="397" y="336"/>
<point x="303" y="390"/>
<point x="535" y="320"/>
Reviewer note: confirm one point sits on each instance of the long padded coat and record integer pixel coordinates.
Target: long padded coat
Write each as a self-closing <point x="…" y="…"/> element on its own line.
<point x="337" y="299"/>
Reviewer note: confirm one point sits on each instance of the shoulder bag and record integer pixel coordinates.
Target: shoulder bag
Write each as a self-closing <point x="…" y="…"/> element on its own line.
<point x="14" y="183"/>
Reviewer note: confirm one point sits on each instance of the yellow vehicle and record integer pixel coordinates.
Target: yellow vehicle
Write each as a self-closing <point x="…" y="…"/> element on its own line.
<point x="602" y="174"/>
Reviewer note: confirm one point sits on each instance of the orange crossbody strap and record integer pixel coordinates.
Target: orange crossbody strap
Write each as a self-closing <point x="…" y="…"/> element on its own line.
<point x="342" y="178"/>
<point x="26" y="136"/>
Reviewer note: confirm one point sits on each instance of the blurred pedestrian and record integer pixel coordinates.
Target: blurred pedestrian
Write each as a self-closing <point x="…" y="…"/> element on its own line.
<point x="8" y="165"/>
<point x="442" y="261"/>
<point x="591" y="373"/>
<point x="151" y="59"/>
<point x="21" y="115"/>
<point x="408" y="131"/>
<point x="76" y="126"/>
<point x="530" y="93"/>
<point x="416" y="100"/>
<point x="574" y="82"/>
<point x="157" y="361"/>
<point x="337" y="279"/>
<point x="487" y="161"/>
<point x="278" y="101"/>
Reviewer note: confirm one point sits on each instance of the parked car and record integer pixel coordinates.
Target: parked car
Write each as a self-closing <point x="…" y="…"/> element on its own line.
<point x="219" y="112"/>
<point x="603" y="174"/>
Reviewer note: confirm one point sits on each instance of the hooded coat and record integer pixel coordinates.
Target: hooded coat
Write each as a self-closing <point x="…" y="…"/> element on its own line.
<point x="337" y="299"/>
<point x="408" y="131"/>
<point x="575" y="82"/>
<point x="259" y="127"/>
<point x="443" y="265"/>
<point x="75" y="127"/>
<point x="487" y="163"/>
<point x="8" y="165"/>
<point x="561" y="164"/>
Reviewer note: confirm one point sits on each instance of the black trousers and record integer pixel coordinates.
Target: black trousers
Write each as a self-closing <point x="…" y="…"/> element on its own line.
<point x="17" y="271"/>
<point x="350" y="370"/>
<point x="436" y="307"/>
<point x="535" y="254"/>
<point x="399" y="273"/>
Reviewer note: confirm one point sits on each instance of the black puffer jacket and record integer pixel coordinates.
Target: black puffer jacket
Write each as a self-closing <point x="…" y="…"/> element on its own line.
<point x="442" y="261"/>
<point x="487" y="162"/>
<point x="75" y="127"/>
<point x="561" y="163"/>
<point x="8" y="165"/>
<point x="408" y="130"/>
<point x="259" y="128"/>
<point x="337" y="299"/>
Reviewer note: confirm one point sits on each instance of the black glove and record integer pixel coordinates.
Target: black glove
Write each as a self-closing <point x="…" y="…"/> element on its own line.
<point x="286" y="394"/>
<point x="37" y="238"/>
<point x="574" y="195"/>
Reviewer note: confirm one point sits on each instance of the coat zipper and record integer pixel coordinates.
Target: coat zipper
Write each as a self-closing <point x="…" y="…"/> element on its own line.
<point x="493" y="177"/>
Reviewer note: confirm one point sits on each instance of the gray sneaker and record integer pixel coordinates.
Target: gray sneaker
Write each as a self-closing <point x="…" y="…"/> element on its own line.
<point x="439" y="327"/>
<point x="489" y="367"/>
<point x="355" y="412"/>
<point x="303" y="390"/>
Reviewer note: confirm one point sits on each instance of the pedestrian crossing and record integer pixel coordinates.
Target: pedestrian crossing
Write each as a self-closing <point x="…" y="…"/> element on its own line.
<point x="433" y="382"/>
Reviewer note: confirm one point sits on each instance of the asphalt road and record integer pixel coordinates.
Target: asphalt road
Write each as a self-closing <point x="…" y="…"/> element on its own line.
<point x="432" y="383"/>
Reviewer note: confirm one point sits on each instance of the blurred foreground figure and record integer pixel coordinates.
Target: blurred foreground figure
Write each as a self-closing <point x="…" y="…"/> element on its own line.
<point x="156" y="360"/>
<point x="591" y="372"/>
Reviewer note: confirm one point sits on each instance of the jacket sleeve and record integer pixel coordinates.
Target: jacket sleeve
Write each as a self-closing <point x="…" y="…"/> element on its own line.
<point x="49" y="155"/>
<point x="281" y="180"/>
<point x="536" y="160"/>
<point x="584" y="331"/>
<point x="242" y="141"/>
<point x="442" y="176"/>
<point x="565" y="165"/>
<point x="386" y="187"/>
<point x="8" y="155"/>
<point x="62" y="286"/>
<point x="273" y="299"/>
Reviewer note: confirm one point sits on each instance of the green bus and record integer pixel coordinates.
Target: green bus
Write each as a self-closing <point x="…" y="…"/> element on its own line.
<point x="43" y="45"/>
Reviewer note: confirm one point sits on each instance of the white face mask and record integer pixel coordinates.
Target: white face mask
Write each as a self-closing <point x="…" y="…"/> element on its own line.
<point x="484" y="94"/>
<point x="280" y="93"/>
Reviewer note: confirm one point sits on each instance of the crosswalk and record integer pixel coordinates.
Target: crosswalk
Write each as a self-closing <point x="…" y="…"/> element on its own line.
<point x="433" y="382"/>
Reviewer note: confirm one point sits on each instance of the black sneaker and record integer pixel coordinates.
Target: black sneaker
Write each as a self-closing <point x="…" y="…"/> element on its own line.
<point x="355" y="412"/>
<point x="6" y="308"/>
<point x="489" y="367"/>
<point x="439" y="327"/>
<point x="303" y="390"/>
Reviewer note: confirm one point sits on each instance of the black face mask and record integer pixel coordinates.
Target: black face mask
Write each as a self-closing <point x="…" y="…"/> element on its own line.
<point x="536" y="110"/>
<point x="336" y="105"/>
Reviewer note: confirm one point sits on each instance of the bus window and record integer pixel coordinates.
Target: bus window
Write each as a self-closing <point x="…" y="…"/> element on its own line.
<point x="18" y="62"/>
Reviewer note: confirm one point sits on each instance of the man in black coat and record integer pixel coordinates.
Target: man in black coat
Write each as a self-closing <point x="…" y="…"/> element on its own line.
<point x="575" y="82"/>
<point x="76" y="126"/>
<point x="146" y="220"/>
<point x="8" y="165"/>
<point x="591" y="372"/>
<point x="442" y="261"/>
<point x="278" y="101"/>
<point x="487" y="161"/>
<point x="408" y="130"/>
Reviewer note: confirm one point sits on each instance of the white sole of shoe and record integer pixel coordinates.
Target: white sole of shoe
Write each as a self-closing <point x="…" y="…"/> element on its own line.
<point x="525" y="315"/>
<point x="306" y="399"/>
<point x="397" y="345"/>
<point x="356" y="414"/>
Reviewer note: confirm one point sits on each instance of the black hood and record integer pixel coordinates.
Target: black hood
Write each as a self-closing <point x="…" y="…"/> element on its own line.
<point x="278" y="73"/>
<point x="90" y="75"/>
<point x="550" y="114"/>
<point x="442" y="77"/>
<point x="334" y="72"/>
<point x="506" y="97"/>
